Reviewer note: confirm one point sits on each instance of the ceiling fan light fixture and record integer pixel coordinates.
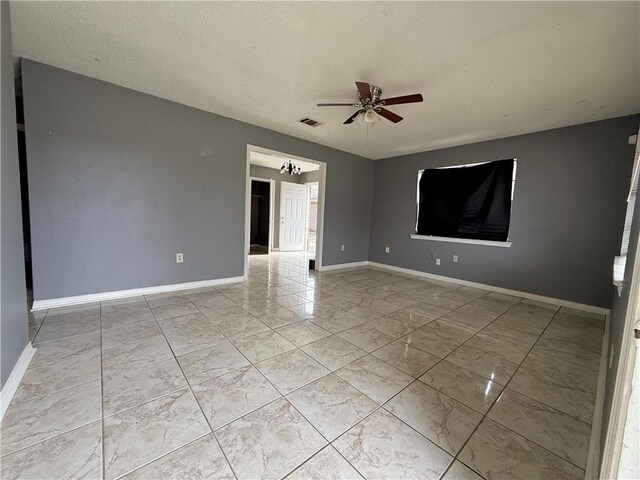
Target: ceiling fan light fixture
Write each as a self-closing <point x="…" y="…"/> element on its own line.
<point x="359" y="118"/>
<point x="371" y="116"/>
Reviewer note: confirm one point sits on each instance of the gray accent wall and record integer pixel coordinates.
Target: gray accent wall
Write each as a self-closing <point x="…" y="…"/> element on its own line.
<point x="310" y="177"/>
<point x="567" y="214"/>
<point x="120" y="181"/>
<point x="14" y="326"/>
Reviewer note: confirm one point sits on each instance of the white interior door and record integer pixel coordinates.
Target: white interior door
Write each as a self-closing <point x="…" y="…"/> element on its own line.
<point x="293" y="216"/>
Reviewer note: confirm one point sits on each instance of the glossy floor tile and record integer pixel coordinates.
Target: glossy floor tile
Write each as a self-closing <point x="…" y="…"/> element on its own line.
<point x="558" y="432"/>
<point x="126" y="389"/>
<point x="201" y="459"/>
<point x="141" y="434"/>
<point x="443" y="420"/>
<point x="42" y="418"/>
<point x="331" y="405"/>
<point x="333" y="352"/>
<point x="328" y="464"/>
<point x="406" y="358"/>
<point x="381" y="446"/>
<point x="348" y="374"/>
<point x="376" y="379"/>
<point x="291" y="370"/>
<point x="75" y="454"/>
<point x="463" y="385"/>
<point x="498" y="453"/>
<point x="270" y="442"/>
<point x="228" y="397"/>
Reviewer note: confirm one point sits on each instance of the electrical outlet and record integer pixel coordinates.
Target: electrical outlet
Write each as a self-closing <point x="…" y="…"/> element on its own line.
<point x="386" y="249"/>
<point x="437" y="261"/>
<point x="179" y="258"/>
<point x="455" y="259"/>
<point x="342" y="248"/>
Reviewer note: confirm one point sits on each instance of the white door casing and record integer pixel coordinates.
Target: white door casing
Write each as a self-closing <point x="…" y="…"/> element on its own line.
<point x="293" y="217"/>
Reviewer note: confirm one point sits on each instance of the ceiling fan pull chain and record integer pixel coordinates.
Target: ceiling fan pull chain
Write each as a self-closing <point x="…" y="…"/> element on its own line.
<point x="366" y="139"/>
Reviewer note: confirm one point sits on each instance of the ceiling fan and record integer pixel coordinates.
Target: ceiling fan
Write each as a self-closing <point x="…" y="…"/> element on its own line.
<point x="370" y="105"/>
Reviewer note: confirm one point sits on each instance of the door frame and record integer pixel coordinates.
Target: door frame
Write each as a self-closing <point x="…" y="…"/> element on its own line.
<point x="272" y="191"/>
<point x="322" y="180"/>
<point x="306" y="232"/>
<point x="304" y="249"/>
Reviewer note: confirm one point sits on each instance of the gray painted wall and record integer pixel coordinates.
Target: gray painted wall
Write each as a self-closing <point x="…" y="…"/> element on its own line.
<point x="272" y="173"/>
<point x="310" y="177"/>
<point x="120" y="181"/>
<point x="14" y="330"/>
<point x="567" y="215"/>
<point x="617" y="319"/>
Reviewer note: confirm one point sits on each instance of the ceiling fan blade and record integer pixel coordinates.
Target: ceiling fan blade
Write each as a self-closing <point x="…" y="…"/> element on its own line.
<point x="350" y="119"/>
<point x="388" y="115"/>
<point x="335" y="104"/>
<point x="363" y="90"/>
<point x="415" y="98"/>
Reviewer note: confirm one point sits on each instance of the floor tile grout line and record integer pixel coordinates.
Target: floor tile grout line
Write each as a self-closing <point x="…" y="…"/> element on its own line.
<point x="503" y="387"/>
<point x="145" y="402"/>
<point x="332" y="447"/>
<point x="369" y="353"/>
<point x="37" y="344"/>
<point x="520" y="364"/>
<point x="379" y="406"/>
<point x="35" y="335"/>
<point x="280" y="396"/>
<point x="206" y="419"/>
<point x="284" y="396"/>
<point x="36" y="397"/>
<point x="455" y="457"/>
<point x="328" y="444"/>
<point x="4" y="455"/>
<point x="498" y="398"/>
<point x="135" y="469"/>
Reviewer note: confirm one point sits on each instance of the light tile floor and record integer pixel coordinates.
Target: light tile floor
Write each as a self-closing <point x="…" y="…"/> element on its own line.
<point x="351" y="374"/>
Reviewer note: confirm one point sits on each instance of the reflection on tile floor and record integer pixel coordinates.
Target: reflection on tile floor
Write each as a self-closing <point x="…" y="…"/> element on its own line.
<point x="358" y="373"/>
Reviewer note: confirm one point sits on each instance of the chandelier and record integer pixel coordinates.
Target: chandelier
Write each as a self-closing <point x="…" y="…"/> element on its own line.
<point x="290" y="168"/>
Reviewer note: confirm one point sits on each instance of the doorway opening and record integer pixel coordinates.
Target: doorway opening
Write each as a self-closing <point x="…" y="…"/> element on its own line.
<point x="296" y="205"/>
<point x="312" y="216"/>
<point x="261" y="216"/>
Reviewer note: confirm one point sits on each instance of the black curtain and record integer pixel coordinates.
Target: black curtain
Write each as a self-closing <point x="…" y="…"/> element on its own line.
<point x="467" y="202"/>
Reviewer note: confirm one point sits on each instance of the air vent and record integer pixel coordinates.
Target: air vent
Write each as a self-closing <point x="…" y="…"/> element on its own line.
<point x="310" y="121"/>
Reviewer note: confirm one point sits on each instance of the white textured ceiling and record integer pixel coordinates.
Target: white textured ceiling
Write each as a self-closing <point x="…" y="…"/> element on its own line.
<point x="274" y="161"/>
<point x="486" y="70"/>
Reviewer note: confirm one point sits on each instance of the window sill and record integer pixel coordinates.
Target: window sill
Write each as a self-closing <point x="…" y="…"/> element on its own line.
<point x="491" y="243"/>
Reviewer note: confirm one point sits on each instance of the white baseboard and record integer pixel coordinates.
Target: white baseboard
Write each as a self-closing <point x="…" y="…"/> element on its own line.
<point x="13" y="382"/>
<point x="506" y="291"/>
<point x="592" y="471"/>
<point x="101" y="297"/>
<point x="342" y="266"/>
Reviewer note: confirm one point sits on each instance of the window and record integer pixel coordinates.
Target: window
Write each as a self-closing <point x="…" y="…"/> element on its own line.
<point x="471" y="202"/>
<point x="620" y="261"/>
<point x="631" y="201"/>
